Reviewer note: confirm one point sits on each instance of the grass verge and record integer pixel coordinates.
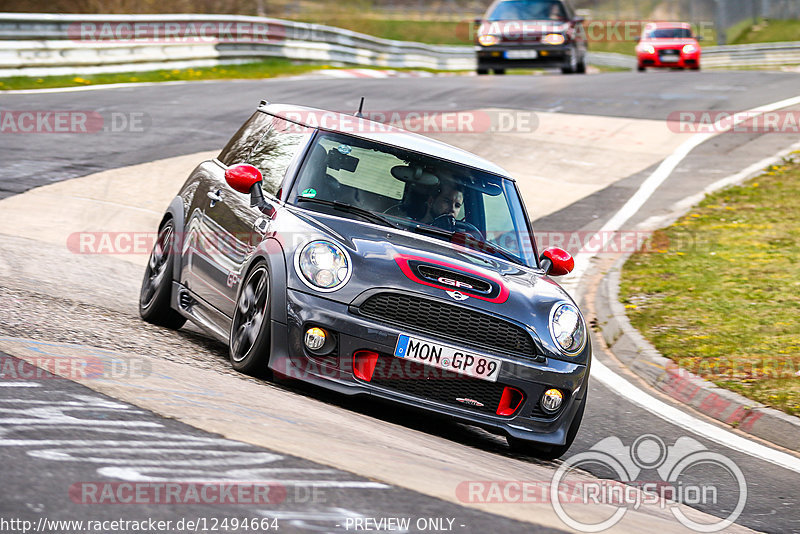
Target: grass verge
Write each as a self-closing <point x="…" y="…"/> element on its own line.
<point x="424" y="31"/>
<point x="718" y="292"/>
<point x="772" y="31"/>
<point x="268" y="68"/>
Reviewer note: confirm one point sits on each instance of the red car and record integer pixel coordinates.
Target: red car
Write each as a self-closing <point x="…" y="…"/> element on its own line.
<point x="668" y="44"/>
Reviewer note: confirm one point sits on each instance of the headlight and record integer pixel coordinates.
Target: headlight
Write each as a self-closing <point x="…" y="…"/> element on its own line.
<point x="554" y="39"/>
<point x="689" y="49"/>
<point x="567" y="329"/>
<point x="323" y="266"/>
<point x="648" y="49"/>
<point x="488" y="40"/>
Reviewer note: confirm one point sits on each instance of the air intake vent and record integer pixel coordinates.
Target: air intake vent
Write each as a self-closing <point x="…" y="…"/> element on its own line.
<point x="455" y="323"/>
<point x="185" y="300"/>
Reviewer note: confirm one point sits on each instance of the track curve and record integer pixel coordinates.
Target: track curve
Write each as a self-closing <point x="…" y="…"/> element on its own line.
<point x="193" y="117"/>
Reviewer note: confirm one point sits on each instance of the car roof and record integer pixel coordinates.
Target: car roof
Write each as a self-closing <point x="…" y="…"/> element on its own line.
<point x="381" y="133"/>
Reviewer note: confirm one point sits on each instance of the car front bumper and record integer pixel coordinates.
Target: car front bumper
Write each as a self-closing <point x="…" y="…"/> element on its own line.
<point x="291" y="359"/>
<point x="685" y="61"/>
<point x="497" y="57"/>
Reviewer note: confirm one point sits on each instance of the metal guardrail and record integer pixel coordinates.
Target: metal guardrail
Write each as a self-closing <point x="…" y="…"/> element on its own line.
<point x="40" y="44"/>
<point x="45" y="44"/>
<point x="752" y="55"/>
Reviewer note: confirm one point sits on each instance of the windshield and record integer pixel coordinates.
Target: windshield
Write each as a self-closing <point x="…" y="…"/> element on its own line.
<point x="415" y="192"/>
<point x="670" y="33"/>
<point x="529" y="10"/>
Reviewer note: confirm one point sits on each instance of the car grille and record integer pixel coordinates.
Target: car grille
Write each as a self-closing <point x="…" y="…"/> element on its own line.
<point x="437" y="386"/>
<point x="453" y="322"/>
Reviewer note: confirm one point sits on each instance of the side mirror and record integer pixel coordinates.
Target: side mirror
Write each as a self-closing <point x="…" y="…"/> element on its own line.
<point x="579" y="20"/>
<point x="243" y="177"/>
<point x="638" y="38"/>
<point x="247" y="179"/>
<point x="557" y="262"/>
<point x="699" y="37"/>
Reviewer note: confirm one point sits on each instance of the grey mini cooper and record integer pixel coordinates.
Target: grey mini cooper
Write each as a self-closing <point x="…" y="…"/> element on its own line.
<point x="365" y="259"/>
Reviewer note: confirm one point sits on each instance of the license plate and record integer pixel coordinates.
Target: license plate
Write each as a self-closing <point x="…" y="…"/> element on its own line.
<point x="670" y="58"/>
<point x="521" y="54"/>
<point x="447" y="358"/>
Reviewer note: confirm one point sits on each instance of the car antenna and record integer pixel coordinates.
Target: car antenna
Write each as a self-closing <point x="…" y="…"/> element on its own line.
<point x="359" y="113"/>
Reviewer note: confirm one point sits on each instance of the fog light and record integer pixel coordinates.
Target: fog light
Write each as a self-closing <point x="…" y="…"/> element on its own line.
<point x="315" y="338"/>
<point x="551" y="400"/>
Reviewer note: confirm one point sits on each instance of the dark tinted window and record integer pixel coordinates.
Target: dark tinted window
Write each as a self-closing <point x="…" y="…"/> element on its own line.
<point x="670" y="33"/>
<point x="276" y="148"/>
<point x="529" y="10"/>
<point x="239" y="147"/>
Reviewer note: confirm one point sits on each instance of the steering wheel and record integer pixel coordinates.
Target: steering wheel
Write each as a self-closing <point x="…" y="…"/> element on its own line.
<point x="445" y="222"/>
<point x="448" y="222"/>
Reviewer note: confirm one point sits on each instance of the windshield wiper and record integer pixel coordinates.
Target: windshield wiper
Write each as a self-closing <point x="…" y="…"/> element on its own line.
<point x="349" y="208"/>
<point x="469" y="241"/>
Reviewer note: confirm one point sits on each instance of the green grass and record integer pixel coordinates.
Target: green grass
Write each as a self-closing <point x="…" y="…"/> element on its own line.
<point x="424" y="31"/>
<point x="773" y="31"/>
<point x="268" y="68"/>
<point x="718" y="292"/>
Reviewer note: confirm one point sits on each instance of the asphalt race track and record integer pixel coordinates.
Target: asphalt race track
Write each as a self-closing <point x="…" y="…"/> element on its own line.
<point x="54" y="302"/>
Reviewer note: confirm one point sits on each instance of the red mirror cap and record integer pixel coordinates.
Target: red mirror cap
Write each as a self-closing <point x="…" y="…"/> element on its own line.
<point x="563" y="263"/>
<point x="242" y="177"/>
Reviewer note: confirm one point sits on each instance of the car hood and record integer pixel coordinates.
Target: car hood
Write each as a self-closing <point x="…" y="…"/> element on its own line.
<point x="381" y="256"/>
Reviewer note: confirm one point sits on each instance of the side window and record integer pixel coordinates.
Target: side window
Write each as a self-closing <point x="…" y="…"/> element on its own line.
<point x="276" y="149"/>
<point x="241" y="145"/>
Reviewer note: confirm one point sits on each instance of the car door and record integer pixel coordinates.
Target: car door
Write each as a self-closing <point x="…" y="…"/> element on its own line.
<point x="228" y="232"/>
<point x="205" y="271"/>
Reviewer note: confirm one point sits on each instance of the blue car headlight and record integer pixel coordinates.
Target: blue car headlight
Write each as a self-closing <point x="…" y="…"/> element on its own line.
<point x="567" y="328"/>
<point x="323" y="266"/>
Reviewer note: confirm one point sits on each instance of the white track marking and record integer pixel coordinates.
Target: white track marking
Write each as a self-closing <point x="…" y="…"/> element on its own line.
<point x="624" y="388"/>
<point x="673" y="415"/>
<point x="19" y="385"/>
<point x="649" y="186"/>
<point x="99" y="87"/>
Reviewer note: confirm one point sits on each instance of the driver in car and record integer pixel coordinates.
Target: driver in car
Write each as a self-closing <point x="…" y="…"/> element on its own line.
<point x="448" y="199"/>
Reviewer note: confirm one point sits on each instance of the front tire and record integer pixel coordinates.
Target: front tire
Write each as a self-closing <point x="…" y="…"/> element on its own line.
<point x="156" y="292"/>
<point x="571" y="67"/>
<point x="581" y="69"/>
<point x="249" y="340"/>
<point x="549" y="452"/>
